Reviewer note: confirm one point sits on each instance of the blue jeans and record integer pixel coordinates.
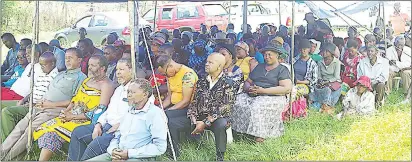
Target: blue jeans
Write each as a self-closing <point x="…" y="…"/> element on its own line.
<point x="83" y="147"/>
<point x="325" y="96"/>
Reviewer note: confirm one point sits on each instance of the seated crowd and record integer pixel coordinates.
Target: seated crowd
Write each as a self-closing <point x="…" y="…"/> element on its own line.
<point x="87" y="99"/>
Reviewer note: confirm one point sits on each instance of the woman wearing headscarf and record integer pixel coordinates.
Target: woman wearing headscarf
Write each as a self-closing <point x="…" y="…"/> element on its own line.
<point x="197" y="59"/>
<point x="264" y="37"/>
<point x="257" y="111"/>
<point x="254" y="51"/>
<point x="230" y="69"/>
<point x="176" y="33"/>
<point x="314" y="50"/>
<point x="187" y="40"/>
<point x="243" y="58"/>
<point x="232" y="37"/>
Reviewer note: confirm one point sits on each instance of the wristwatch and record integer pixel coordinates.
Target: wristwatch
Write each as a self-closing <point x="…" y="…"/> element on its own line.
<point x="207" y="122"/>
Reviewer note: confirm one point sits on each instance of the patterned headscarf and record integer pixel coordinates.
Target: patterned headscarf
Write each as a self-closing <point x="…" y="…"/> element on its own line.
<point x="200" y="43"/>
<point x="196" y="62"/>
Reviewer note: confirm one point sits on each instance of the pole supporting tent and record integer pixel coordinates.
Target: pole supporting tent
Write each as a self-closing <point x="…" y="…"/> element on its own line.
<point x="292" y="59"/>
<point x="384" y="25"/>
<point x="245" y="11"/>
<point x="1" y="27"/>
<point x="280" y="16"/>
<point x="34" y="42"/>
<point x="135" y="39"/>
<point x="155" y="15"/>
<point x="134" y="36"/>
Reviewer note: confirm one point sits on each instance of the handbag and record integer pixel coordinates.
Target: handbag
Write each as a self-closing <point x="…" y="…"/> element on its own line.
<point x="299" y="109"/>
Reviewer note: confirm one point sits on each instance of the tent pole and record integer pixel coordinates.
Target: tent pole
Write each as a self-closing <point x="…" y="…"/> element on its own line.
<point x="35" y="40"/>
<point x="230" y="12"/>
<point x="384" y="25"/>
<point x="245" y="12"/>
<point x="135" y="46"/>
<point x="155" y="14"/>
<point x="1" y="27"/>
<point x="158" y="93"/>
<point x="134" y="42"/>
<point x="280" y="16"/>
<point x="291" y="58"/>
<point x="379" y="15"/>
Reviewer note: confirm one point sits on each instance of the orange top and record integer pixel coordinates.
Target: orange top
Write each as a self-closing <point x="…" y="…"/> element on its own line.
<point x="398" y="22"/>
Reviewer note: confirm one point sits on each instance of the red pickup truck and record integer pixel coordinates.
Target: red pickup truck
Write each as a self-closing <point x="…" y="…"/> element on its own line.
<point x="188" y="15"/>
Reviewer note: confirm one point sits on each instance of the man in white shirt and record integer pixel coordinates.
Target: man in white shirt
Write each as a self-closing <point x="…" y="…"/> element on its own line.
<point x="377" y="69"/>
<point x="399" y="57"/>
<point x="22" y="85"/>
<point x="91" y="140"/>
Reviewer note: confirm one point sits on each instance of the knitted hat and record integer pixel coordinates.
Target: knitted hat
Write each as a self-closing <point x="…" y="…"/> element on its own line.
<point x="158" y="40"/>
<point x="365" y="81"/>
<point x="278" y="39"/>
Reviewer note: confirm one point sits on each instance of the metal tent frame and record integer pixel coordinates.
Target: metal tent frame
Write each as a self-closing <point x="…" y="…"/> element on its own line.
<point x="135" y="39"/>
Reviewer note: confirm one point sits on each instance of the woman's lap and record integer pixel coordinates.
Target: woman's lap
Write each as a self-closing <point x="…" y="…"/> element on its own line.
<point x="259" y="116"/>
<point x="325" y="96"/>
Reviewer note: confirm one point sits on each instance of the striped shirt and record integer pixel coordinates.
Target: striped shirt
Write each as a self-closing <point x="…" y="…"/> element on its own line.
<point x="42" y="83"/>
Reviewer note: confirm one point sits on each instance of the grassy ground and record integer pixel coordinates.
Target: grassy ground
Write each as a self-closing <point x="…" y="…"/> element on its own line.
<point x="385" y="136"/>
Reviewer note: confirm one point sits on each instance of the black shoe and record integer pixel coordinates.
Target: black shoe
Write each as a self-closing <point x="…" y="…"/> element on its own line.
<point x="220" y="156"/>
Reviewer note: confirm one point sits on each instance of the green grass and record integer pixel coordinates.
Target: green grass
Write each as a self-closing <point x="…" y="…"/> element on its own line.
<point x="385" y="136"/>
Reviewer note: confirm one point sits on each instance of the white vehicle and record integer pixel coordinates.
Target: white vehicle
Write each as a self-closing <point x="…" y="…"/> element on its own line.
<point x="259" y="13"/>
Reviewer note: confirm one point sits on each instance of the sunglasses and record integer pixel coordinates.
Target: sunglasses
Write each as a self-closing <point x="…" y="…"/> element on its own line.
<point x="21" y="57"/>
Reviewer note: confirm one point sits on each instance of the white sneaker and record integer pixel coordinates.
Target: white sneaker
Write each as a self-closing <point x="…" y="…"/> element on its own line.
<point x="405" y="101"/>
<point x="339" y="116"/>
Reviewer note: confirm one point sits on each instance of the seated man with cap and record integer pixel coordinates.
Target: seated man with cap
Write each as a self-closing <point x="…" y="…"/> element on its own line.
<point x="399" y="57"/>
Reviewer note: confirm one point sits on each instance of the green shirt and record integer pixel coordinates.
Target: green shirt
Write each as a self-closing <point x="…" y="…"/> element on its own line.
<point x="331" y="72"/>
<point x="64" y="85"/>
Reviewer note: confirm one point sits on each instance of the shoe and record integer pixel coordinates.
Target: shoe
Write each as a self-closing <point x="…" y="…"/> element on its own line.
<point x="407" y="101"/>
<point x="315" y="105"/>
<point x="220" y="156"/>
<point x="339" y="116"/>
<point x="327" y="109"/>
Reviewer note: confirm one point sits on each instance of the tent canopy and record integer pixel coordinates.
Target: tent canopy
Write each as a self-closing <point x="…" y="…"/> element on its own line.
<point x="350" y="9"/>
<point x="117" y="1"/>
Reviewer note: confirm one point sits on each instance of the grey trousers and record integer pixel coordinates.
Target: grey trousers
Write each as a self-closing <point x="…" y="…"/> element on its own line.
<point x="108" y="157"/>
<point x="16" y="142"/>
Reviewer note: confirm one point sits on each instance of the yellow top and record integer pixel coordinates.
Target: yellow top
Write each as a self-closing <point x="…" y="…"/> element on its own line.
<point x="86" y="99"/>
<point x="245" y="66"/>
<point x="184" y="78"/>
